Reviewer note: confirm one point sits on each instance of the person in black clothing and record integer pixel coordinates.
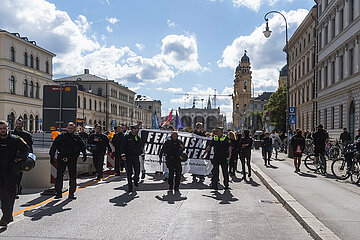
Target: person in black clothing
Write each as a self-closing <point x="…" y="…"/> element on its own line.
<point x="222" y="154"/>
<point x="268" y="145"/>
<point x="13" y="150"/>
<point x="29" y="141"/>
<point x="199" y="130"/>
<point x="101" y="142"/>
<point x="172" y="149"/>
<point x="116" y="141"/>
<point x="261" y="138"/>
<point x="131" y="148"/>
<point x="84" y="136"/>
<point x="69" y="145"/>
<point x="234" y="156"/>
<point x="245" y="152"/>
<point x="320" y="138"/>
<point x="345" y="136"/>
<point x="298" y="145"/>
<point x="357" y="135"/>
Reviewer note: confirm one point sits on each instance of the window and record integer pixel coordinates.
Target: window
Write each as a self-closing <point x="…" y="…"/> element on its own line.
<point x="31" y="89"/>
<point x="351" y="62"/>
<point x="78" y="101"/>
<point x="12" y="84"/>
<point x="351" y="11"/>
<point x="307" y="93"/>
<point x="333" y="72"/>
<point x="309" y="38"/>
<point x="99" y="91"/>
<point x="303" y="68"/>
<point x="31" y="61"/>
<point x="341" y="116"/>
<point x="84" y="103"/>
<point x="320" y="40"/>
<point x="333" y="28"/>
<point x="341" y="23"/>
<point x="37" y="63"/>
<point x="319" y="83"/>
<point x="25" y="121"/>
<point x="95" y="106"/>
<point x="326" y="31"/>
<point x="341" y="67"/>
<point x="36" y="123"/>
<point x="37" y="91"/>
<point x="326" y="76"/>
<point x="90" y="103"/>
<point x="307" y="64"/>
<point x="25" y="59"/>
<point x="47" y="67"/>
<point x="325" y="118"/>
<point x="332" y="118"/>
<point x="25" y="88"/>
<point x="99" y="106"/>
<point x="295" y="100"/>
<point x="11" y="121"/>
<point x="31" y="122"/>
<point x="12" y="54"/>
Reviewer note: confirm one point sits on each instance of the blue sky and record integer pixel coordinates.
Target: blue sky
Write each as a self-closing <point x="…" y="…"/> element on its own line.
<point x="160" y="48"/>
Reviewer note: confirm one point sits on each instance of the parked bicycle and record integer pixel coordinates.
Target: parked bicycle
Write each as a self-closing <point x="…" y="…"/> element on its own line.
<point x="320" y="166"/>
<point x="340" y="167"/>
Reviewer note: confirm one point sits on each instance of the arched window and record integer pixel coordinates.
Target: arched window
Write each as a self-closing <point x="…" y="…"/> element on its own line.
<point x="99" y="106"/>
<point x="25" y="88"/>
<point x="31" y="61"/>
<point x="36" y="123"/>
<point x="84" y="103"/>
<point x="12" y="54"/>
<point x="25" y="59"/>
<point x="12" y="84"/>
<point x="78" y="101"/>
<point x="90" y="104"/>
<point x="47" y="67"/>
<point x="11" y="121"/>
<point x="37" y="91"/>
<point x="95" y="105"/>
<point x="31" y="89"/>
<point x="31" y="123"/>
<point x="37" y="64"/>
<point x="90" y="122"/>
<point x="25" y="121"/>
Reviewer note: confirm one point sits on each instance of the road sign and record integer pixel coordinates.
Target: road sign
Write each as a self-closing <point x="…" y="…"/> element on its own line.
<point x="292" y="119"/>
<point x="292" y="110"/>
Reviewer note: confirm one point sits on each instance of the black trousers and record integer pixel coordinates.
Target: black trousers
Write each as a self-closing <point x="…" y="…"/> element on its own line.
<point x="7" y="195"/>
<point x="174" y="169"/>
<point x="18" y="182"/>
<point x="119" y="164"/>
<point x="98" y="159"/>
<point x="215" y="177"/>
<point x="267" y="156"/>
<point x="132" y="167"/>
<point x="233" y="162"/>
<point x="71" y="165"/>
<point x="246" y="156"/>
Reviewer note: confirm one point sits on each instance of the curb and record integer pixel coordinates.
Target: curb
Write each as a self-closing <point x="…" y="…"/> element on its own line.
<point x="311" y="224"/>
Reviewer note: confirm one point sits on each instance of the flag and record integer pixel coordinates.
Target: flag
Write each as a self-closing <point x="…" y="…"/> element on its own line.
<point x="178" y="123"/>
<point x="168" y="119"/>
<point x="155" y="122"/>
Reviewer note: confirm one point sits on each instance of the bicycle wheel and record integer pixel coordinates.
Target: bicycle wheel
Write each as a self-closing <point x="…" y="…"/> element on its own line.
<point x="355" y="176"/>
<point x="309" y="162"/>
<point x="334" y="152"/>
<point x="338" y="168"/>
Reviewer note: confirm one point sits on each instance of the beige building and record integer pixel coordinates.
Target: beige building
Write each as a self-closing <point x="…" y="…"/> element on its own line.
<point x="301" y="72"/>
<point x="24" y="69"/>
<point x="148" y="103"/>
<point x="242" y="91"/>
<point x="283" y="76"/>
<point x="105" y="102"/>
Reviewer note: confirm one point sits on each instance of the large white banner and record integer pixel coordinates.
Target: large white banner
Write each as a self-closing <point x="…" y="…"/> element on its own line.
<point x="194" y="146"/>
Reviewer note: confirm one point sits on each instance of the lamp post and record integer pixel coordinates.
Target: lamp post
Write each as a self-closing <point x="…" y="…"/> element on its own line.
<point x="267" y="34"/>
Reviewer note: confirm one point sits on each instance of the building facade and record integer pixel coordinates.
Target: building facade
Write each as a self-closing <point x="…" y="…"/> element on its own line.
<point x="283" y="76"/>
<point x="242" y="91"/>
<point x="148" y="103"/>
<point x="105" y="102"/>
<point x="24" y="69"/>
<point x="302" y="63"/>
<point x="338" y="77"/>
<point x="254" y="111"/>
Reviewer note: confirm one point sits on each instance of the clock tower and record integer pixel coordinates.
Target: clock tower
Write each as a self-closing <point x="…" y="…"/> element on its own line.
<point x="242" y="91"/>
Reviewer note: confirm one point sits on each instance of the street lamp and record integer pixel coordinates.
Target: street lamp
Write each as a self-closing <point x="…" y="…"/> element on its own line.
<point x="267" y="34"/>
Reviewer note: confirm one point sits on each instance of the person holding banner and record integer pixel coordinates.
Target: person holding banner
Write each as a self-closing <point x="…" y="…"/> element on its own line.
<point x="222" y="154"/>
<point x="172" y="149"/>
<point x="131" y="149"/>
<point x="199" y="130"/>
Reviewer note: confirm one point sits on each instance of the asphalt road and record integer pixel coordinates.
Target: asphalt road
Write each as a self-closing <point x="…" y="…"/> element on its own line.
<point x="104" y="210"/>
<point x="334" y="202"/>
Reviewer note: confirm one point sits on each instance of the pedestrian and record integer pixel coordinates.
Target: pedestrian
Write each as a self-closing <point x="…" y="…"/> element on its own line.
<point x="131" y="149"/>
<point x="261" y="138"/>
<point x="234" y="156"/>
<point x="276" y="142"/>
<point x="298" y="145"/>
<point x="268" y="145"/>
<point x="84" y="136"/>
<point x="239" y="136"/>
<point x="345" y="137"/>
<point x="116" y="141"/>
<point x="320" y="139"/>
<point x="246" y="143"/>
<point x="142" y="160"/>
<point x="13" y="150"/>
<point x="101" y="143"/>
<point x="19" y="131"/>
<point x="222" y="154"/>
<point x="68" y="145"/>
<point x="199" y="130"/>
<point x="172" y="150"/>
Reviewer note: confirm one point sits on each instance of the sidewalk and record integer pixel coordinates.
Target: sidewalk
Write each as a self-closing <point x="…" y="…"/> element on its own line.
<point x="334" y="202"/>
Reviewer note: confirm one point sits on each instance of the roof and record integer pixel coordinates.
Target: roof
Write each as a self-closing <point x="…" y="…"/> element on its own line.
<point x="82" y="77"/>
<point x="264" y="96"/>
<point x="143" y="98"/>
<point x="245" y="58"/>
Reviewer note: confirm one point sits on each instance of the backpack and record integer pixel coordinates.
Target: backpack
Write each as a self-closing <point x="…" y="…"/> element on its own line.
<point x="298" y="149"/>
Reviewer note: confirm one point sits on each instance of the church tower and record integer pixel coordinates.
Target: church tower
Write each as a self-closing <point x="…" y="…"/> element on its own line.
<point x="242" y="91"/>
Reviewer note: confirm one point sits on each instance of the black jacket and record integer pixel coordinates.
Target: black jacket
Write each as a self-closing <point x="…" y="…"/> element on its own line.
<point x="102" y="144"/>
<point x="26" y="136"/>
<point x="320" y="138"/>
<point x="131" y="146"/>
<point x="296" y="141"/>
<point x="245" y="149"/>
<point x="68" y="145"/>
<point x="172" y="150"/>
<point x="10" y="148"/>
<point x="116" y="141"/>
<point x="345" y="137"/>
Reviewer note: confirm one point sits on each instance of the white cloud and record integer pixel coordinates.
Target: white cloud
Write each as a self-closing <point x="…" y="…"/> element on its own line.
<point x="266" y="55"/>
<point x="172" y="90"/>
<point x="254" y="5"/>
<point x="170" y="23"/>
<point x="112" y="20"/>
<point x="140" y="46"/>
<point x="109" y="29"/>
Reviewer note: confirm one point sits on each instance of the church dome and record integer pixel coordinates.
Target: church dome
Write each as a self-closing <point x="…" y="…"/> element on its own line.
<point x="245" y="58"/>
<point x="284" y="71"/>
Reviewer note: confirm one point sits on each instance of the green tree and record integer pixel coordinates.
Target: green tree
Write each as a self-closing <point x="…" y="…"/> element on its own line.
<point x="277" y="108"/>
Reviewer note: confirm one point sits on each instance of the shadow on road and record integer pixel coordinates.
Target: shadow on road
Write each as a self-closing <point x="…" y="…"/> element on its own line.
<point x="171" y="198"/>
<point x="272" y="166"/>
<point x="48" y="210"/>
<point x="303" y="174"/>
<point x="252" y="182"/>
<point x="236" y="179"/>
<point x="225" y="198"/>
<point x="124" y="199"/>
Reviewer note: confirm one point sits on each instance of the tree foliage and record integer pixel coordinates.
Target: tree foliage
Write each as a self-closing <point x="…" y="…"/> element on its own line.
<point x="277" y="108"/>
